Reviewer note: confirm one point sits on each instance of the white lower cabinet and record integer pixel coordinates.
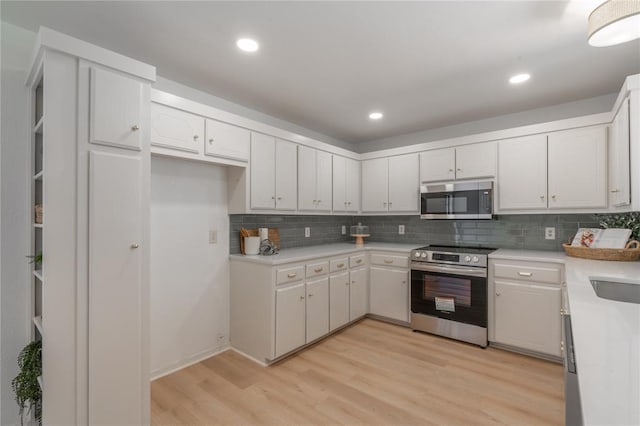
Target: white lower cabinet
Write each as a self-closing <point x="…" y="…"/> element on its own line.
<point x="317" y="316"/>
<point x="358" y="291"/>
<point x="525" y="300"/>
<point x="290" y="318"/>
<point x="389" y="286"/>
<point x="339" y="300"/>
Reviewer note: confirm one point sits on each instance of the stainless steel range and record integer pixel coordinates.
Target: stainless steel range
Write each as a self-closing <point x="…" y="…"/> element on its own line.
<point x="449" y="292"/>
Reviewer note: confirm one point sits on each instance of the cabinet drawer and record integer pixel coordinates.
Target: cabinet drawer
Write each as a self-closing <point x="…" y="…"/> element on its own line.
<point x="289" y="275"/>
<point x="318" y="268"/>
<point x="338" y="264"/>
<point x="390" y="260"/>
<point x="357" y="260"/>
<point x="528" y="271"/>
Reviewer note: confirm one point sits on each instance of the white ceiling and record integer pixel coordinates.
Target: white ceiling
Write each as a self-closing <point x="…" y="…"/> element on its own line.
<point x="326" y="65"/>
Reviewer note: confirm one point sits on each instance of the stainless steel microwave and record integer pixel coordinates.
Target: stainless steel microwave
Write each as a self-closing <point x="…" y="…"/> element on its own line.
<point x="457" y="200"/>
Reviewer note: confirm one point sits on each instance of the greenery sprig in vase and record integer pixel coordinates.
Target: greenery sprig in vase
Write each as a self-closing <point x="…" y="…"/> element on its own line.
<point x="25" y="385"/>
<point x="621" y="220"/>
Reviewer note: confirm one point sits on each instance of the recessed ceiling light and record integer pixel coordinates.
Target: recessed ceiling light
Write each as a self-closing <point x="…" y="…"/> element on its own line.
<point x="247" y="44"/>
<point x="375" y="115"/>
<point x="519" y="78"/>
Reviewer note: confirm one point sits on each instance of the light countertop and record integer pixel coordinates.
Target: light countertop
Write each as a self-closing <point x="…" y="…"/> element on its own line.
<point x="606" y="337"/>
<point x="299" y="254"/>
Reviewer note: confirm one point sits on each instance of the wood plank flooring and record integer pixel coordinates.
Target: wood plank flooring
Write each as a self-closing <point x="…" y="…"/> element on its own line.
<point x="371" y="373"/>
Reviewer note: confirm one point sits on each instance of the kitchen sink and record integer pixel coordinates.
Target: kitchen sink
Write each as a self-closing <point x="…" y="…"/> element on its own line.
<point x="619" y="290"/>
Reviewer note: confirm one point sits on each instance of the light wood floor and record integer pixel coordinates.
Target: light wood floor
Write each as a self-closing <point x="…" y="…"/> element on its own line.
<point x="371" y="373"/>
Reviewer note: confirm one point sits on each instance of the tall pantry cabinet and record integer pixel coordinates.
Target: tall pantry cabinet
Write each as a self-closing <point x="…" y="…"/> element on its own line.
<point x="90" y="146"/>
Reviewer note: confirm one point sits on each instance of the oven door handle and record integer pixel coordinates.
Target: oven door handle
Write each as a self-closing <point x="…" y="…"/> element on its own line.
<point x="454" y="270"/>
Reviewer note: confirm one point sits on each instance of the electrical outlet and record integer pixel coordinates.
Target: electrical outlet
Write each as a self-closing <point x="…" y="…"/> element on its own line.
<point x="550" y="233"/>
<point x="213" y="236"/>
<point x="344" y="230"/>
<point x="307" y="232"/>
<point x="220" y="337"/>
<point x="400" y="229"/>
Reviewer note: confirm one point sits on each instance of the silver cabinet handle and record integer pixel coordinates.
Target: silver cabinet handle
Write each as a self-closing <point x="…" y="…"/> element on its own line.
<point x="279" y="198"/>
<point x="210" y="141"/>
<point x="404" y="281"/>
<point x="310" y="295"/>
<point x="459" y="170"/>
<point x="347" y="283"/>
<point x="542" y="197"/>
<point x="615" y="190"/>
<point x="345" y="204"/>
<point x="388" y="261"/>
<point x="273" y="198"/>
<point x="319" y="201"/>
<point x="525" y="274"/>
<point x="301" y="297"/>
<point x="135" y="245"/>
<point x="135" y="128"/>
<point x="353" y="282"/>
<point x="292" y="275"/>
<point x="553" y="197"/>
<point x="390" y="203"/>
<point x="195" y="137"/>
<point x="497" y="294"/>
<point x="340" y="265"/>
<point x="349" y="203"/>
<point x="359" y="261"/>
<point x="450" y="170"/>
<point x="384" y="203"/>
<point x="318" y="270"/>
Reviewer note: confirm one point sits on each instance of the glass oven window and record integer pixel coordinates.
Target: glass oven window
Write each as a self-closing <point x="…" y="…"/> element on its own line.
<point x="443" y="286"/>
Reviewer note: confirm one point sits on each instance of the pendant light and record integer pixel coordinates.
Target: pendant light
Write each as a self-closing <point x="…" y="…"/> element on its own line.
<point x="614" y="22"/>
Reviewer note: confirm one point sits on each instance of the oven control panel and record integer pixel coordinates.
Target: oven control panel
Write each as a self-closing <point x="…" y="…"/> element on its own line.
<point x="468" y="259"/>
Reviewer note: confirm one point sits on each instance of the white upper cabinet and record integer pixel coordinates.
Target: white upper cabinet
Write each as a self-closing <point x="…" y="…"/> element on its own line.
<point x="561" y="170"/>
<point x="462" y="162"/>
<point x="314" y="179"/>
<point x="225" y="140"/>
<point x="274" y="180"/>
<point x="116" y="102"/>
<point x="375" y="185"/>
<point x="391" y="184"/>
<point x="346" y="184"/>
<point x="578" y="168"/>
<point x="619" y="172"/>
<point x="404" y="183"/>
<point x="522" y="173"/>
<point x="176" y="129"/>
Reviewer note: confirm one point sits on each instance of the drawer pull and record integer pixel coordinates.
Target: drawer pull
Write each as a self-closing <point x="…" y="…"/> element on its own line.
<point x="525" y="274"/>
<point x="340" y="265"/>
<point x="359" y="261"/>
<point x="292" y="275"/>
<point x="388" y="261"/>
<point x="317" y="270"/>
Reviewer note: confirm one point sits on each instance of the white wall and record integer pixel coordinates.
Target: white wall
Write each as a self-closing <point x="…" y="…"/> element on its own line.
<point x="540" y="115"/>
<point x="14" y="137"/>
<point x="189" y="276"/>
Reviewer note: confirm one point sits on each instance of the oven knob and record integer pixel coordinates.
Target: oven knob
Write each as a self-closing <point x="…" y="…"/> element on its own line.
<point x="475" y="259"/>
<point x="424" y="254"/>
<point x="467" y="258"/>
<point x="417" y="254"/>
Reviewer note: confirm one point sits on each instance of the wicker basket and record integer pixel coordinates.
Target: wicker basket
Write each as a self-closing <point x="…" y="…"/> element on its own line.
<point x="630" y="253"/>
<point x="39" y="213"/>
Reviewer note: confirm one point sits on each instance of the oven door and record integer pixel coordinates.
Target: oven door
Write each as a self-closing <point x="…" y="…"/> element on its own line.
<point x="469" y="200"/>
<point x="455" y="293"/>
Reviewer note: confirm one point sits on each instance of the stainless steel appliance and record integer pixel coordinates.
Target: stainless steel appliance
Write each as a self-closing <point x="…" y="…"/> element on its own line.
<point x="449" y="292"/>
<point x="573" y="407"/>
<point x="457" y="200"/>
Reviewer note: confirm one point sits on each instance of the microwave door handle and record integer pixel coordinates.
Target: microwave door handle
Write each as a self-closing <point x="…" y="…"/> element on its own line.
<point x="450" y="204"/>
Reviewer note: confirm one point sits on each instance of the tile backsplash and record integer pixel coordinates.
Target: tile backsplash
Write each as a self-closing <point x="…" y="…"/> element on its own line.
<point x="505" y="231"/>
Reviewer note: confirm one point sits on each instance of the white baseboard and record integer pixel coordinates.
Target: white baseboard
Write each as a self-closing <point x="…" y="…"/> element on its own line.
<point x="188" y="362"/>
<point x="262" y="363"/>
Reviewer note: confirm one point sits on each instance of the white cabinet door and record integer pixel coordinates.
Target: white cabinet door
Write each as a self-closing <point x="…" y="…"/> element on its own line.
<point x="263" y="166"/>
<point x="225" y="140"/>
<point x="176" y="129"/>
<point x="338" y="300"/>
<point x="619" y="174"/>
<point x="437" y="165"/>
<point x="317" y="309"/>
<point x="323" y="181"/>
<point x="352" y="184"/>
<point x="522" y="173"/>
<point x="339" y="173"/>
<point x="578" y="168"/>
<point x="290" y="318"/>
<point x="404" y="183"/>
<point x="375" y="185"/>
<point x="306" y="178"/>
<point x="476" y="161"/>
<point x="115" y="112"/>
<point x="528" y="316"/>
<point x="115" y="310"/>
<point x="358" y="293"/>
<point x="286" y="174"/>
<point x="389" y="293"/>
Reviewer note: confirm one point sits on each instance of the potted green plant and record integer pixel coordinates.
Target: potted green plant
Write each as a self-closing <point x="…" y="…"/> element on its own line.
<point x="621" y="220"/>
<point x="25" y="385"/>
